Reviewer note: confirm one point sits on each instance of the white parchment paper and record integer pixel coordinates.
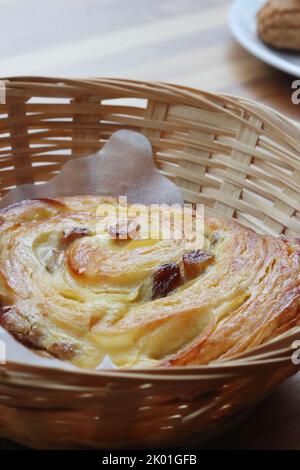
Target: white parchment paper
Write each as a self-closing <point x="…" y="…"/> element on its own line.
<point x="123" y="167"/>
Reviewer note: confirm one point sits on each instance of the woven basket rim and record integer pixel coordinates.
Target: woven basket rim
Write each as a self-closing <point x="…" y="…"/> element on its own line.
<point x="234" y="366"/>
<point x="256" y="356"/>
<point x="124" y="81"/>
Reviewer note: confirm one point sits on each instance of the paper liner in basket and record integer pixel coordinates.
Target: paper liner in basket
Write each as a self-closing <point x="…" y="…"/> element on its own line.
<point x="123" y="167"/>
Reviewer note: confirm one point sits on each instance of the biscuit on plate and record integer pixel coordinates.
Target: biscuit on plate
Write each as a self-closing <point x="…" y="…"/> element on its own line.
<point x="279" y="24"/>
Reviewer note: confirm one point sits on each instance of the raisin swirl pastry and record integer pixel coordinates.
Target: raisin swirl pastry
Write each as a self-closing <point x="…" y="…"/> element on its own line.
<point x="71" y="293"/>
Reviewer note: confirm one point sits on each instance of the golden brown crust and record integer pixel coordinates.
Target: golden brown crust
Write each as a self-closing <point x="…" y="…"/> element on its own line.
<point x="279" y="24"/>
<point x="66" y="290"/>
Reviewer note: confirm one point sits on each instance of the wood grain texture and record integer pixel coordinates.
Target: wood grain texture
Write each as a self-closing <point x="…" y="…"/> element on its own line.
<point x="180" y="41"/>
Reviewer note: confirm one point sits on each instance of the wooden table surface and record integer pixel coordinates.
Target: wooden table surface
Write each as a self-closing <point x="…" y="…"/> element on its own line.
<point x="180" y="41"/>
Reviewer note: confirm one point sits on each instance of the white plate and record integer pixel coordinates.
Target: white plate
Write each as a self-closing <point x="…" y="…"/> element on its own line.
<point x="243" y="24"/>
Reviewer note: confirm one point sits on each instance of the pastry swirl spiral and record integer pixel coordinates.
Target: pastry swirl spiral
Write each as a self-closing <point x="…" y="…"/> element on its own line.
<point x="71" y="293"/>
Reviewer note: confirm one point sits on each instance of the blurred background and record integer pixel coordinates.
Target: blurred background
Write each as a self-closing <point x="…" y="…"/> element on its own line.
<point x="180" y="41"/>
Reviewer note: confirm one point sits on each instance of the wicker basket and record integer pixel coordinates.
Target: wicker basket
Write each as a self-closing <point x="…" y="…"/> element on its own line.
<point x="239" y="158"/>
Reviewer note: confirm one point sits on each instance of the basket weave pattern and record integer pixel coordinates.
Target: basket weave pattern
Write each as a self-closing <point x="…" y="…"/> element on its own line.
<point x="240" y="159"/>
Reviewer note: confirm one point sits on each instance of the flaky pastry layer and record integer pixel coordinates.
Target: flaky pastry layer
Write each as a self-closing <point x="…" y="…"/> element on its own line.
<point x="69" y="292"/>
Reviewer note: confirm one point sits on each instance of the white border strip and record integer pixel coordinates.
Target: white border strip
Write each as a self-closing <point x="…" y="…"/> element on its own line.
<point x="2" y="92"/>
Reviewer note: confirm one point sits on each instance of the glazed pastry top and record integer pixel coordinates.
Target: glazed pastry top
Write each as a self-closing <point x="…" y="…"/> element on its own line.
<point x="78" y="287"/>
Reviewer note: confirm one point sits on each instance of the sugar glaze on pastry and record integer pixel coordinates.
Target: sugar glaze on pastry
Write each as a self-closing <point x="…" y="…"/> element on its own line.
<point x="70" y="293"/>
